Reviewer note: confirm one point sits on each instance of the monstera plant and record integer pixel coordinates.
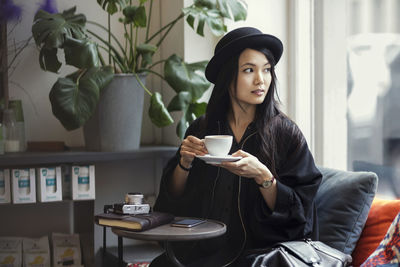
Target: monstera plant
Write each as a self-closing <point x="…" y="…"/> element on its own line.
<point x="74" y="97"/>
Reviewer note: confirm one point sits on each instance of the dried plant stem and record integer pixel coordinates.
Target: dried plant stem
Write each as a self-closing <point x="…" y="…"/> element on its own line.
<point x="3" y="63"/>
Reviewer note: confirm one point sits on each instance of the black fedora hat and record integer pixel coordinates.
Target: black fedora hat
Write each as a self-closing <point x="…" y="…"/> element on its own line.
<point x="235" y="42"/>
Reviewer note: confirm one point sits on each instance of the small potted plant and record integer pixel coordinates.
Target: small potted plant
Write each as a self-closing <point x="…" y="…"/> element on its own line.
<point x="74" y="98"/>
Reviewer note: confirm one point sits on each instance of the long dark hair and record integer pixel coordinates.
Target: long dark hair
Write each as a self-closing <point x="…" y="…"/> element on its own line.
<point x="268" y="118"/>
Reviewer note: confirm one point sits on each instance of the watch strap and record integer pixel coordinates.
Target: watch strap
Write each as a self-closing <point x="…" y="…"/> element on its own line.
<point x="270" y="183"/>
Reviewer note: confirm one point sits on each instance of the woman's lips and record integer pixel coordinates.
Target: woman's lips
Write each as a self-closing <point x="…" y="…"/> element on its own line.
<point x="258" y="92"/>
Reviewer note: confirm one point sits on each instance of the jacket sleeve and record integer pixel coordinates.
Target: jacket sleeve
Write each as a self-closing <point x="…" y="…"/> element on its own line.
<point x="297" y="183"/>
<point x="166" y="202"/>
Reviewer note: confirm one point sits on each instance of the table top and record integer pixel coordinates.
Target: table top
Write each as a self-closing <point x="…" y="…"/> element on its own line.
<point x="166" y="232"/>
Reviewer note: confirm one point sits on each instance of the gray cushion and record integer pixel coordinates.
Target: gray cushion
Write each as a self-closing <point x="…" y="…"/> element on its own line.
<point x="343" y="201"/>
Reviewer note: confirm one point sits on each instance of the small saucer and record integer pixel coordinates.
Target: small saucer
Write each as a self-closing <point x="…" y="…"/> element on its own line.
<point x="217" y="159"/>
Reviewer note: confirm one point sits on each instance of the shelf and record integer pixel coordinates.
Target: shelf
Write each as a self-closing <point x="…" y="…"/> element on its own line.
<point x="81" y="156"/>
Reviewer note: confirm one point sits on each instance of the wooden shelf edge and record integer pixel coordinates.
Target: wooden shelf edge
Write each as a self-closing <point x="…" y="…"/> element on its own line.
<point x="76" y="156"/>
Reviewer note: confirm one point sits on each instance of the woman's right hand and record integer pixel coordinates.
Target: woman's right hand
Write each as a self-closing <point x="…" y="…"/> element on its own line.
<point x="190" y="147"/>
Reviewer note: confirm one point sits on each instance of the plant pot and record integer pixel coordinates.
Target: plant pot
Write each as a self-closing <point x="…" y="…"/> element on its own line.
<point x="117" y="122"/>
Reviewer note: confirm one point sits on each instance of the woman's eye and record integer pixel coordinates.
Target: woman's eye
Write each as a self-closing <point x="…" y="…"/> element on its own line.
<point x="267" y="70"/>
<point x="248" y="70"/>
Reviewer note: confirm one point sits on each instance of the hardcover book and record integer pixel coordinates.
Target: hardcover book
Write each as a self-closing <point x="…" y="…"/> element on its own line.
<point x="138" y="222"/>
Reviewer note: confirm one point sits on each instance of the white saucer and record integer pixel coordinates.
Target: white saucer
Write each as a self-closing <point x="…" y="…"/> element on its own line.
<point x="218" y="159"/>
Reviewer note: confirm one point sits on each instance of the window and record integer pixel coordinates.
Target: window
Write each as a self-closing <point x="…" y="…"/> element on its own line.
<point x="355" y="114"/>
<point x="373" y="91"/>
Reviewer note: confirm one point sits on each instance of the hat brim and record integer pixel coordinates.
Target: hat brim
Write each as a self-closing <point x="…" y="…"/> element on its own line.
<point x="257" y="40"/>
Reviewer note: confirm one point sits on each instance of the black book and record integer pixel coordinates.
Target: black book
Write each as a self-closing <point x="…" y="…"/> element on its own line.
<point x="138" y="222"/>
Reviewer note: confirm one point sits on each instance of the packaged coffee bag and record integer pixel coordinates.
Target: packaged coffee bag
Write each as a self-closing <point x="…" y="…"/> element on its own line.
<point x="10" y="252"/>
<point x="66" y="250"/>
<point x="36" y="252"/>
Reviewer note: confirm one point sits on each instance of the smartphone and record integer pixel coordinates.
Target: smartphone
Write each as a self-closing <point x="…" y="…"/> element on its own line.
<point x="188" y="223"/>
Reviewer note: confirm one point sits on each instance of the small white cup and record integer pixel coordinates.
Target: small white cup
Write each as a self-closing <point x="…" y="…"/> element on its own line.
<point x="134" y="198"/>
<point x="218" y="145"/>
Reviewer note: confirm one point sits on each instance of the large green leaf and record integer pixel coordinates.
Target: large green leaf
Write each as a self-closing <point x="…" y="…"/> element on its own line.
<point x="146" y="51"/>
<point x="111" y="6"/>
<point x="75" y="97"/>
<point x="135" y="15"/>
<point x="48" y="59"/>
<point x="235" y="8"/>
<point x="190" y="110"/>
<point x="180" y="102"/>
<point x="193" y="111"/>
<point x="213" y="12"/>
<point x="212" y="17"/>
<point x="81" y="53"/>
<point x="50" y="30"/>
<point x="186" y="77"/>
<point x="158" y="114"/>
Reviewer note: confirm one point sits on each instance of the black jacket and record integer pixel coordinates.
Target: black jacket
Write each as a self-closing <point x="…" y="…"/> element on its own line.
<point x="297" y="183"/>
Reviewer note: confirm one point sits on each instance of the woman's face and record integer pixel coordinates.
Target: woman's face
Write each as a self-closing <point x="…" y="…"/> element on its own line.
<point x="253" y="78"/>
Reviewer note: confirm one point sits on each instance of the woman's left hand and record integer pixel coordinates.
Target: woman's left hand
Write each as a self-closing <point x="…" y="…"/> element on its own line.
<point x="249" y="166"/>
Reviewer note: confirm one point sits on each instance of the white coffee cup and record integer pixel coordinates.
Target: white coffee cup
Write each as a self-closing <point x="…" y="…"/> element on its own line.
<point x="134" y="198"/>
<point x="218" y="145"/>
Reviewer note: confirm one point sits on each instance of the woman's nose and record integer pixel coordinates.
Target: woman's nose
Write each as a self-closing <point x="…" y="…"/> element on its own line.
<point x="259" y="79"/>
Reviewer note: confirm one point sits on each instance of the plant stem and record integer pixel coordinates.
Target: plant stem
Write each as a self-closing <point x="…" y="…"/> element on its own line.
<point x="109" y="38"/>
<point x="165" y="34"/>
<point x="156" y="63"/>
<point x="149" y="19"/>
<point x="103" y="63"/>
<point x="164" y="27"/>
<point x="104" y="28"/>
<point x="143" y="86"/>
<point x="134" y="67"/>
<point x="106" y="43"/>
<point x="82" y="72"/>
<point x="117" y="59"/>
<point x="129" y="60"/>
<point x="152" y="71"/>
<point x="131" y="36"/>
<point x="3" y="62"/>
<point x="19" y="50"/>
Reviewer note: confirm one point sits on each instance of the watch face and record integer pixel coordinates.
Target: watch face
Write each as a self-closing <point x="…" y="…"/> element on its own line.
<point x="267" y="183"/>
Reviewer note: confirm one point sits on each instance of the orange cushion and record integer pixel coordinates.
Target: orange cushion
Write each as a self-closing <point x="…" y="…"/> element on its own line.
<point x="380" y="216"/>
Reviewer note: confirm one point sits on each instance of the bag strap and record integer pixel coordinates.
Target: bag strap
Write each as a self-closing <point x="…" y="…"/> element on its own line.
<point x="303" y="250"/>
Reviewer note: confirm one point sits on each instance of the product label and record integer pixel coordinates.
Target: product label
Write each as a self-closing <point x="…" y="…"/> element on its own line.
<point x="44" y="172"/>
<point x="24" y="183"/>
<point x="83" y="180"/>
<point x="50" y="181"/>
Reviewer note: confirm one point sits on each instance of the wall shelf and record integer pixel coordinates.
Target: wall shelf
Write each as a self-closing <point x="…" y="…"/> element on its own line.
<point x="81" y="156"/>
<point x="139" y="169"/>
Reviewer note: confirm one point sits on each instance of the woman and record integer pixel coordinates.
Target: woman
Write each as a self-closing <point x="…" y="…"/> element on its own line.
<point x="265" y="197"/>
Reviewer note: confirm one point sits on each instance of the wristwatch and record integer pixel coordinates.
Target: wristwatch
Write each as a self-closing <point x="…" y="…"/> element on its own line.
<point x="267" y="183"/>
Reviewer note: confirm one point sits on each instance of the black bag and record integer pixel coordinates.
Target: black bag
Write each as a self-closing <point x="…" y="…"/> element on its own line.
<point x="302" y="253"/>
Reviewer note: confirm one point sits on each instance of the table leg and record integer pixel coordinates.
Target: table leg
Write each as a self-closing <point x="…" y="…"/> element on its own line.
<point x="171" y="255"/>
<point x="120" y="251"/>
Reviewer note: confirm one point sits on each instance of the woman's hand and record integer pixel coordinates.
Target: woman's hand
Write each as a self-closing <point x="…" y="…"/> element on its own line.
<point x="249" y="166"/>
<point x="190" y="147"/>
